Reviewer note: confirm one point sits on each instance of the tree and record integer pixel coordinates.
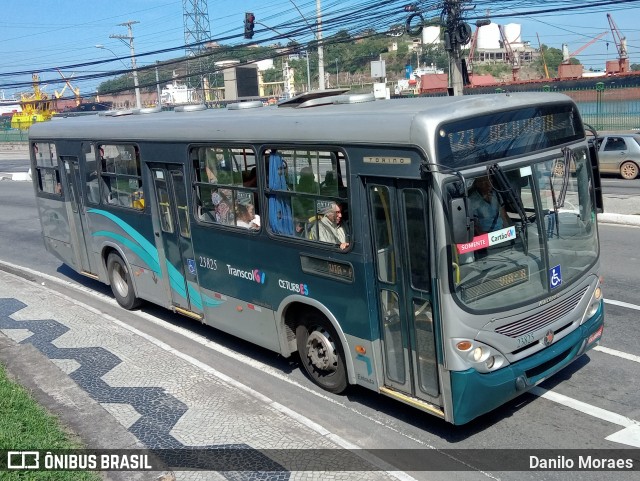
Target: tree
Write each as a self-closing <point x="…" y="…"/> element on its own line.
<point x="553" y="57"/>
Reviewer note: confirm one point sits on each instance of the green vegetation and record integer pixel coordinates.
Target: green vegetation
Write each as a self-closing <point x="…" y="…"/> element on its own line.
<point x="351" y="56"/>
<point x="25" y="425"/>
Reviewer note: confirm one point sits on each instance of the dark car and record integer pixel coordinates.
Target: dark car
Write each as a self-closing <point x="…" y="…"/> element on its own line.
<point x="619" y="154"/>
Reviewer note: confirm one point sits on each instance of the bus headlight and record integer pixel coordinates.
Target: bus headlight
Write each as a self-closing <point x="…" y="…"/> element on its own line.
<point x="479" y="356"/>
<point x="593" y="308"/>
<point x="594" y="305"/>
<point x="490" y="362"/>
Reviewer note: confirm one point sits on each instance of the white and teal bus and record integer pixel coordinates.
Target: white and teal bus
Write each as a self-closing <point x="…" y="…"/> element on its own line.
<point x="221" y="215"/>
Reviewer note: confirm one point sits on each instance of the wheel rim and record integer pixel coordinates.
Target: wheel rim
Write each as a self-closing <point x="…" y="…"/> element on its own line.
<point x="119" y="280"/>
<point x="629" y="171"/>
<point x="321" y="351"/>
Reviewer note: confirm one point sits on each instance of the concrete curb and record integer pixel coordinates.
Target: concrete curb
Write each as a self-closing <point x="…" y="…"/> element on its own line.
<point x="621" y="219"/>
<point x="16" y="176"/>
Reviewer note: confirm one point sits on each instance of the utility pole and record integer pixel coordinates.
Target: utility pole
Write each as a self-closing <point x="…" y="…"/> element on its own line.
<point x="133" y="56"/>
<point x="457" y="33"/>
<point x="320" y="49"/>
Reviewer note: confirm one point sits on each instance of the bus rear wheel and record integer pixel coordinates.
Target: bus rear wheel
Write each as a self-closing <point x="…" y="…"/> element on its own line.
<point x="321" y="353"/>
<point x="121" y="284"/>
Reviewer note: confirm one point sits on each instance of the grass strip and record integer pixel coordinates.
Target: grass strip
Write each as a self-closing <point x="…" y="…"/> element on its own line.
<point x="25" y="425"/>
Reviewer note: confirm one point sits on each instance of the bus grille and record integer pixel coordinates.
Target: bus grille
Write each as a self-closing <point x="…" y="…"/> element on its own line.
<point x="543" y="318"/>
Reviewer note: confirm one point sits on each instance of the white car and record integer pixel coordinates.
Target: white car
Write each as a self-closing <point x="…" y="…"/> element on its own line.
<point x="619" y="154"/>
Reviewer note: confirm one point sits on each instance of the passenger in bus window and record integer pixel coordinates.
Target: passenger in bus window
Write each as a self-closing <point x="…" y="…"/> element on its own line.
<point x="245" y="217"/>
<point x="331" y="229"/>
<point x="307" y="182"/>
<point x="255" y="218"/>
<point x="221" y="201"/>
<point x="330" y="184"/>
<point x="485" y="206"/>
<point x="251" y="179"/>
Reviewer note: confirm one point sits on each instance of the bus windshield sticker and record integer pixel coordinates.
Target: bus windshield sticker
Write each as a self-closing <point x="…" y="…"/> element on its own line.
<point x="555" y="277"/>
<point x="485" y="240"/>
<point x="387" y="160"/>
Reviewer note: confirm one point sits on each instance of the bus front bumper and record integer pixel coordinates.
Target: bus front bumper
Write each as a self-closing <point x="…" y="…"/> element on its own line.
<point x="474" y="394"/>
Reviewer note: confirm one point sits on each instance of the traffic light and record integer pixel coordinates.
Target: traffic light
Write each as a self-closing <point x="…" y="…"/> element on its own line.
<point x="249" y="24"/>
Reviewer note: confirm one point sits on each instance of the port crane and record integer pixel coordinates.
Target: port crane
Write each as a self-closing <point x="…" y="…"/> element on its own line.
<point x="622" y="64"/>
<point x="566" y="56"/>
<point x="67" y="82"/>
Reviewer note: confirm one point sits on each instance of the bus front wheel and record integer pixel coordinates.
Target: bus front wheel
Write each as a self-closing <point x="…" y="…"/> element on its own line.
<point x="321" y="353"/>
<point x="121" y="284"/>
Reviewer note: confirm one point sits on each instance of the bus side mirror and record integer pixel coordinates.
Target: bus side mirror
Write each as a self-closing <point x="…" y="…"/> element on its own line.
<point x="462" y="227"/>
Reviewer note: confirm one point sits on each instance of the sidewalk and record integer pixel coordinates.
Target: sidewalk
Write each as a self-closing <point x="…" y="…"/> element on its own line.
<point x="119" y="388"/>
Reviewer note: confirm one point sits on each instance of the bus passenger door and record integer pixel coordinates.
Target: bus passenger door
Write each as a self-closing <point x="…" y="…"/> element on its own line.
<point x="399" y="233"/>
<point x="76" y="212"/>
<point x="173" y="236"/>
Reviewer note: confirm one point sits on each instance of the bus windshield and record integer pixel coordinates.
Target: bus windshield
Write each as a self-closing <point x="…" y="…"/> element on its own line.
<point x="515" y="258"/>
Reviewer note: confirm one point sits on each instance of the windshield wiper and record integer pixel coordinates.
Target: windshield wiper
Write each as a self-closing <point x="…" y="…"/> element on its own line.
<point x="509" y="195"/>
<point x="567" y="154"/>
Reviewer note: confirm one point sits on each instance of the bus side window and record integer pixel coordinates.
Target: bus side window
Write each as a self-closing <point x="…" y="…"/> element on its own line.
<point x="121" y="176"/>
<point x="47" y="169"/>
<point x="316" y="196"/>
<point x="91" y="176"/>
<point x="224" y="184"/>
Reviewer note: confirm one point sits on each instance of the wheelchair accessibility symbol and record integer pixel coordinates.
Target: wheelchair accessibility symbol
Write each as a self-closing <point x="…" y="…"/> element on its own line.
<point x="555" y="277"/>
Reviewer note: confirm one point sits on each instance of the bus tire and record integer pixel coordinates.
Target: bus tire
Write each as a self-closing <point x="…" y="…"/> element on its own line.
<point x="321" y="353"/>
<point x="121" y="284"/>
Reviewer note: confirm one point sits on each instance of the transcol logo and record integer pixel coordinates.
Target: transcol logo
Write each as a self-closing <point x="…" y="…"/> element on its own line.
<point x="254" y="275"/>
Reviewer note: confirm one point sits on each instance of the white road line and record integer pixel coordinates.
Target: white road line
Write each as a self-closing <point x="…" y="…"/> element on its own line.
<point x="630" y="435"/>
<point x="622" y="304"/>
<point x="613" y="352"/>
<point x="583" y="407"/>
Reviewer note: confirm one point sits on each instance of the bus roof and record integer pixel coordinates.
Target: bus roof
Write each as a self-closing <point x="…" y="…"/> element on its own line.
<point x="397" y="121"/>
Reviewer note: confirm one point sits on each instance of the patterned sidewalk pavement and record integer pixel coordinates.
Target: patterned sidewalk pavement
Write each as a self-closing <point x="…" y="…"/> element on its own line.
<point x="158" y="400"/>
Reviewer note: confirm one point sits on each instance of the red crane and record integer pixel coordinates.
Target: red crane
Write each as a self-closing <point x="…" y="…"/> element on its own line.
<point x="622" y="64"/>
<point x="590" y="42"/>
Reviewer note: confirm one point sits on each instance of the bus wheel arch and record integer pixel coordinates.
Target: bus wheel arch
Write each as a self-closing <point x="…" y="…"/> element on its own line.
<point x="120" y="279"/>
<point x="321" y="346"/>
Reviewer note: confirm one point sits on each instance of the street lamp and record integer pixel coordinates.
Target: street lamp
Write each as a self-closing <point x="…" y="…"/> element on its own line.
<point x="135" y="72"/>
<point x="113" y="53"/>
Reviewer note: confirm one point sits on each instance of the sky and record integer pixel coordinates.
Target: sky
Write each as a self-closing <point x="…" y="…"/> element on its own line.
<point x="43" y="34"/>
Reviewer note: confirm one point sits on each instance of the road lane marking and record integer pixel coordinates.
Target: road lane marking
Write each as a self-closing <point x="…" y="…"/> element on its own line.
<point x="630" y="435"/>
<point x="622" y="304"/>
<point x="614" y="352"/>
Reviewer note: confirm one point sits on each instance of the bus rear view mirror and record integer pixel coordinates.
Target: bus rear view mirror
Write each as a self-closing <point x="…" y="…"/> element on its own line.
<point x="461" y="226"/>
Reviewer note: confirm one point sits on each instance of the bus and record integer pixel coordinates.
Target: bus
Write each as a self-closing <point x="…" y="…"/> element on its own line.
<point x="344" y="230"/>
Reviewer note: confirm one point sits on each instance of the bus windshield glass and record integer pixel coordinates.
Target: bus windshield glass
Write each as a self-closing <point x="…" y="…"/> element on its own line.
<point x="504" y="134"/>
<point x="513" y="258"/>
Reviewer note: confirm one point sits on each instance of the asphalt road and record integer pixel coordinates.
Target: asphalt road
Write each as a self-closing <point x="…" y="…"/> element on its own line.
<point x="577" y="412"/>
